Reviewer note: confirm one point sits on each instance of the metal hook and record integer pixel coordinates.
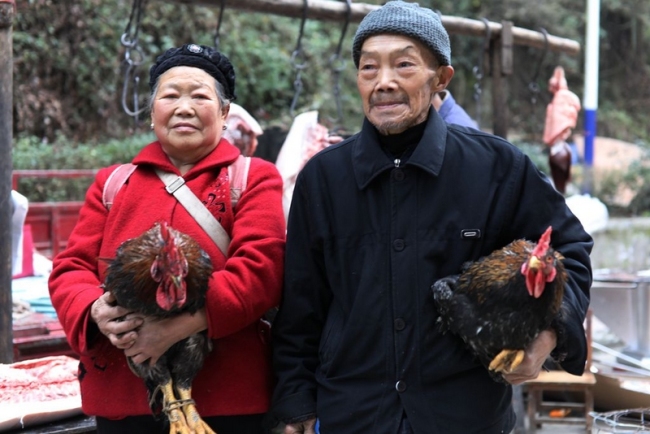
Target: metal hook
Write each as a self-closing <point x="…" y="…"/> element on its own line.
<point x="297" y="53"/>
<point x="477" y="70"/>
<point x="338" y="65"/>
<point x="216" y="35"/>
<point x="130" y="75"/>
<point x="533" y="86"/>
<point x="348" y="16"/>
<point x="129" y="40"/>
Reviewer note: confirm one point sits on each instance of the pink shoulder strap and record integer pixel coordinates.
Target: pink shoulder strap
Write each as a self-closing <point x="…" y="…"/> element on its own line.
<point x="237" y="176"/>
<point x="115" y="181"/>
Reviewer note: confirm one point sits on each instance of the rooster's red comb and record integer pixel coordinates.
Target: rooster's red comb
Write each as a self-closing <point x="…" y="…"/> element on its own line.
<point x="545" y="240"/>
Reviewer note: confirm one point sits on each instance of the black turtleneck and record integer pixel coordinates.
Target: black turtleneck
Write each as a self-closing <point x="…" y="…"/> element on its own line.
<point x="401" y="145"/>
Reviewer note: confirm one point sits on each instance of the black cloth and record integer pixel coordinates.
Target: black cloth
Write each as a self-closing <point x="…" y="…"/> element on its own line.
<point x="405" y="426"/>
<point x="355" y="339"/>
<point x="401" y="145"/>
<point x="197" y="56"/>
<point x="247" y="424"/>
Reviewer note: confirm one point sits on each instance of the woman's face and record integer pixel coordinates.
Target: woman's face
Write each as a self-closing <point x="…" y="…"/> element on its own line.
<point x="186" y="113"/>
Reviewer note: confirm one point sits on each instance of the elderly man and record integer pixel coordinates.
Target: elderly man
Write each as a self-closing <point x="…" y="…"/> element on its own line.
<point x="378" y="218"/>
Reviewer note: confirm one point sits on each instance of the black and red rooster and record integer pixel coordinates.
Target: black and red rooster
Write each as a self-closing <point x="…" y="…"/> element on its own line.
<point x="500" y="303"/>
<point x="160" y="274"/>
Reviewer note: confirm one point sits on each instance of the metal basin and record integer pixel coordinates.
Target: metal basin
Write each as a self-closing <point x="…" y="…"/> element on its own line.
<point x="622" y="302"/>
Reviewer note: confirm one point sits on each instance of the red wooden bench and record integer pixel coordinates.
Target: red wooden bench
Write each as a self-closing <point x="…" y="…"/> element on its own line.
<point x="51" y="222"/>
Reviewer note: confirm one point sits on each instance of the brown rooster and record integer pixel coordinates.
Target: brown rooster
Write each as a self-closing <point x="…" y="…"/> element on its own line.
<point x="500" y="303"/>
<point x="163" y="273"/>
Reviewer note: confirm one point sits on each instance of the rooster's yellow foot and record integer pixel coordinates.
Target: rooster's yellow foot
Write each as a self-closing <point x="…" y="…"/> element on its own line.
<point x="177" y="422"/>
<point x="179" y="426"/>
<point x="172" y="408"/>
<point x="507" y="361"/>
<point x="194" y="421"/>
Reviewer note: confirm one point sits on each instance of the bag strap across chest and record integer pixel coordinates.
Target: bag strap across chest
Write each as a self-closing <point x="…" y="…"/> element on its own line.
<point x="175" y="185"/>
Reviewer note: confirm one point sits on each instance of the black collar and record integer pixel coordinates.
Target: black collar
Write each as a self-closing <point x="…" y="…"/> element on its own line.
<point x="369" y="159"/>
<point x="401" y="145"/>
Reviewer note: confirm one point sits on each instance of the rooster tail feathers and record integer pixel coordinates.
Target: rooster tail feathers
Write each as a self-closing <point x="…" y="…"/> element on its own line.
<point x="443" y="293"/>
<point x="443" y="289"/>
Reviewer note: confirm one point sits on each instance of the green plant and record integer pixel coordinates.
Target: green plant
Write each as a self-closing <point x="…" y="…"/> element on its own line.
<point x="33" y="153"/>
<point x="537" y="152"/>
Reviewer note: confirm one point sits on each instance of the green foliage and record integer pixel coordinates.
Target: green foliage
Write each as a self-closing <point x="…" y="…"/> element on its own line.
<point x="31" y="153"/>
<point x="625" y="125"/>
<point x="637" y="179"/>
<point x="64" y="60"/>
<point x="69" y="63"/>
<point x="537" y="152"/>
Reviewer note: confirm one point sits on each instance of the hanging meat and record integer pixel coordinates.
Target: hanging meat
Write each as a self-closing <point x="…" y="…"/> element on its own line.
<point x="561" y="119"/>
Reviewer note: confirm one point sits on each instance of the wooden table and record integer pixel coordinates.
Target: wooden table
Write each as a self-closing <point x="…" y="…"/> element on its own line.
<point x="38" y="335"/>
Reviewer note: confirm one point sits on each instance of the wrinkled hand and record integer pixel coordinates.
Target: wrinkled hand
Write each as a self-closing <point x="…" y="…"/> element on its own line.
<point x="306" y="427"/>
<point x="156" y="336"/>
<point x="118" y="324"/>
<point x="334" y="139"/>
<point x="536" y="354"/>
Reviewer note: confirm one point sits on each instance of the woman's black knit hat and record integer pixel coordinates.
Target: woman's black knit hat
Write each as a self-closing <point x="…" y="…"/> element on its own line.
<point x="408" y="19"/>
<point x="197" y="56"/>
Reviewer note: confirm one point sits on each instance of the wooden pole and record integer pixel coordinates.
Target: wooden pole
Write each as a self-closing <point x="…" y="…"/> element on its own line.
<point x="7" y="9"/>
<point x="500" y="66"/>
<point x="331" y="10"/>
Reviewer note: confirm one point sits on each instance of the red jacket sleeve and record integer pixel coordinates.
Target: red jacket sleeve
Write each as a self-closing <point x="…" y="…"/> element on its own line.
<point x="74" y="283"/>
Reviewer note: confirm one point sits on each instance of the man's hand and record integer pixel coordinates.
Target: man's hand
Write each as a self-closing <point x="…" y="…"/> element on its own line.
<point x="333" y="139"/>
<point x="536" y="354"/>
<point x="306" y="427"/>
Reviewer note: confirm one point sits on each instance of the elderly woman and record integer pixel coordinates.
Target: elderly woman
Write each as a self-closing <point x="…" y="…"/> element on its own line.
<point x="192" y="87"/>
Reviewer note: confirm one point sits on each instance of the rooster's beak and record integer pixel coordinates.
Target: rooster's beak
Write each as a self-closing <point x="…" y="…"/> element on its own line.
<point x="534" y="263"/>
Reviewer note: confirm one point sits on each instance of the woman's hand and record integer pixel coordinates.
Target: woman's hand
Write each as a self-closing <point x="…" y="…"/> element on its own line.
<point x="156" y="336"/>
<point x="118" y="324"/>
<point x="536" y="354"/>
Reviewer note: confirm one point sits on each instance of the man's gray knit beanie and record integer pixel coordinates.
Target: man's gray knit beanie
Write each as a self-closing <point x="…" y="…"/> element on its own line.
<point x="408" y="19"/>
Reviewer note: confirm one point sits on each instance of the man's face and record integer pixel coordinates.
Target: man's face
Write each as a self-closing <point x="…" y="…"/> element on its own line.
<point x="397" y="78"/>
